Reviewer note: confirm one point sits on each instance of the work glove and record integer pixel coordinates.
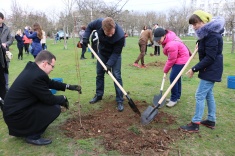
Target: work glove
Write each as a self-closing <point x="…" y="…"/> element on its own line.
<point x="85" y="41"/>
<point x="74" y="87"/>
<point x="108" y="69"/>
<point x="66" y="103"/>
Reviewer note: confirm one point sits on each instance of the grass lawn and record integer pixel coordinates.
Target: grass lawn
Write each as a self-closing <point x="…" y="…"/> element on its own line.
<point x="142" y="84"/>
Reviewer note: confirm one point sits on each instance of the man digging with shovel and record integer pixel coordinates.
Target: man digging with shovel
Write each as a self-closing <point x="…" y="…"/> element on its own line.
<point x="111" y="41"/>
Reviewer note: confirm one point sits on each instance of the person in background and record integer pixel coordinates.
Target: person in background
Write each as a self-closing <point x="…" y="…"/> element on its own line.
<point x="6" y="41"/>
<point x="177" y="56"/>
<point x="94" y="42"/>
<point x="143" y="29"/>
<point x="29" y="106"/>
<point x="36" y="37"/>
<point x="81" y="34"/>
<point x="156" y="45"/>
<point x="143" y="41"/>
<point x="111" y="42"/>
<point x="3" y="70"/>
<point x="27" y="41"/>
<point x="210" y="66"/>
<point x="43" y="40"/>
<point x="20" y="43"/>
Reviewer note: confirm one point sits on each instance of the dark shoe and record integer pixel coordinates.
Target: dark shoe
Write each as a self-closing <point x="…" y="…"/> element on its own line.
<point x="120" y="107"/>
<point x="83" y="58"/>
<point x="208" y="123"/>
<point x="95" y="99"/>
<point x="39" y="141"/>
<point x="191" y="127"/>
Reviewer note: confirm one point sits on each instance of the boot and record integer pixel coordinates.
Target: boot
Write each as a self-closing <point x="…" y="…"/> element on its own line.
<point x="120" y="106"/>
<point x="95" y="99"/>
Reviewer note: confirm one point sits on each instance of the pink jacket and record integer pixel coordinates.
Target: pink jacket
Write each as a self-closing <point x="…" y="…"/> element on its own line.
<point x="175" y="50"/>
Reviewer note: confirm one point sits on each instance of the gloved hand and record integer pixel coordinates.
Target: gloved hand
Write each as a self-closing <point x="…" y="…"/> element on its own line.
<point x="74" y="87"/>
<point x="85" y="41"/>
<point x="108" y="69"/>
<point x="66" y="103"/>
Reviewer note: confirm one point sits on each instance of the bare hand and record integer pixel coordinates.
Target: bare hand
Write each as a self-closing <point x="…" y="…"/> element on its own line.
<point x="190" y="73"/>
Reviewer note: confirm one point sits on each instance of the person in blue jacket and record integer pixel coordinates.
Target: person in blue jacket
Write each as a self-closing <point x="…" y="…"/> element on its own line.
<point x="20" y="43"/>
<point x="111" y="42"/>
<point x="210" y="67"/>
<point x="36" y="36"/>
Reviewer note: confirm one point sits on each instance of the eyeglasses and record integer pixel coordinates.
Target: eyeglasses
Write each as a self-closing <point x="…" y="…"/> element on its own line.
<point x="51" y="65"/>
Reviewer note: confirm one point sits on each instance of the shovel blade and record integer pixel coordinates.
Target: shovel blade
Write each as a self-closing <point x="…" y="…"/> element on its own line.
<point x="156" y="99"/>
<point x="148" y="115"/>
<point x="133" y="106"/>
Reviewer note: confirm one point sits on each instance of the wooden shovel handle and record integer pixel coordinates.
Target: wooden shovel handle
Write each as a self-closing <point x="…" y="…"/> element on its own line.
<point x="178" y="76"/>
<point x="163" y="81"/>
<point x="105" y="68"/>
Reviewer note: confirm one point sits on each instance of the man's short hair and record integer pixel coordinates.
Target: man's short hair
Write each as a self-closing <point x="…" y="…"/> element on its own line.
<point x="108" y="24"/>
<point x="44" y="55"/>
<point x="1" y="15"/>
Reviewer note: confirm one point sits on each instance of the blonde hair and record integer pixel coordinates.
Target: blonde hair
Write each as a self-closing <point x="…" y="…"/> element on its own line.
<point x="108" y="24"/>
<point x="38" y="29"/>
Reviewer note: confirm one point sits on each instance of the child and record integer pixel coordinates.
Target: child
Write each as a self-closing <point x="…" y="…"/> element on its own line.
<point x="20" y="43"/>
<point x="210" y="66"/>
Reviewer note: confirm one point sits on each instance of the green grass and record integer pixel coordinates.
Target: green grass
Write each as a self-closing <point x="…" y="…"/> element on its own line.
<point x="142" y="84"/>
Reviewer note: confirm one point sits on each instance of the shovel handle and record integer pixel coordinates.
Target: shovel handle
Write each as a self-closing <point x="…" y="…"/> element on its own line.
<point x="178" y="76"/>
<point x="105" y="68"/>
<point x="163" y="81"/>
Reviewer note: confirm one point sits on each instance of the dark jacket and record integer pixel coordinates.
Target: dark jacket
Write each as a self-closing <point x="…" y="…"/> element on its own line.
<point x="20" y="42"/>
<point x="29" y="104"/>
<point x="6" y="36"/>
<point x="210" y="47"/>
<point x="36" y="45"/>
<point x="110" y="47"/>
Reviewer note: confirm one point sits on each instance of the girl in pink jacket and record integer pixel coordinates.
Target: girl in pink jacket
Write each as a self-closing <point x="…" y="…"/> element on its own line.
<point x="178" y="54"/>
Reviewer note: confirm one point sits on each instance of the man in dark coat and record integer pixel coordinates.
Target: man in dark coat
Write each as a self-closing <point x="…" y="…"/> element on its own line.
<point x="111" y="41"/>
<point x="29" y="106"/>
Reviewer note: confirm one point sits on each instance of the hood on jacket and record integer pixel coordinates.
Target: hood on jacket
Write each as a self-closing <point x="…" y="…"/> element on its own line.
<point x="216" y="25"/>
<point x="170" y="36"/>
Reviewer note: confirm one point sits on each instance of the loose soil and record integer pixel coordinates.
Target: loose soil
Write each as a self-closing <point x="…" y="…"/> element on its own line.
<point x="123" y="132"/>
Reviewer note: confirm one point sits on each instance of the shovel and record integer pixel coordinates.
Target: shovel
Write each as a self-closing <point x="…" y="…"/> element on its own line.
<point x="131" y="103"/>
<point x="156" y="98"/>
<point x="150" y="113"/>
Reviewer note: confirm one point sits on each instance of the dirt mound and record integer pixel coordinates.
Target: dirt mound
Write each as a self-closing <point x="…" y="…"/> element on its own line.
<point x="157" y="64"/>
<point x="122" y="131"/>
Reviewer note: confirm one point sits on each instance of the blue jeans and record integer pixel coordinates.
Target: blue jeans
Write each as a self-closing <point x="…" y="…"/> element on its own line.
<point x="176" y="90"/>
<point x="116" y="71"/>
<point x="205" y="92"/>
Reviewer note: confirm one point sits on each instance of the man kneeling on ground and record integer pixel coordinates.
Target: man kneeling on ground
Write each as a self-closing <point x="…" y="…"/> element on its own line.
<point x="29" y="106"/>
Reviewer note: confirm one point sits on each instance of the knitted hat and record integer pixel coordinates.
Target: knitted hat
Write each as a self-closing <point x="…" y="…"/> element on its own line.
<point x="204" y="16"/>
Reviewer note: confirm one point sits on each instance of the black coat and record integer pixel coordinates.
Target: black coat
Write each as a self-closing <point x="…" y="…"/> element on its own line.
<point x="29" y="104"/>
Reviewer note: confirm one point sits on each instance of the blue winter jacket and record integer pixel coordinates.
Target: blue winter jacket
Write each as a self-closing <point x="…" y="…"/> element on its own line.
<point x="210" y="47"/>
<point x="110" y="47"/>
<point x="36" y="45"/>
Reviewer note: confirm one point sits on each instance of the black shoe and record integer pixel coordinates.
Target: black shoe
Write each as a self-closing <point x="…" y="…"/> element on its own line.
<point x="191" y="127"/>
<point x="208" y="123"/>
<point x="95" y="99"/>
<point x="83" y="58"/>
<point x="39" y="141"/>
<point x="120" y="107"/>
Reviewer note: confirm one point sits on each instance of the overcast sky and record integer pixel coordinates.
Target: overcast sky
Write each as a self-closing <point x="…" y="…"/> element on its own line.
<point x="135" y="5"/>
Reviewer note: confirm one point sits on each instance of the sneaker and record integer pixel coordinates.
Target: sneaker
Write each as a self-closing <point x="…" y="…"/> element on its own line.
<point x="171" y="103"/>
<point x="168" y="100"/>
<point x="208" y="123"/>
<point x="120" y="106"/>
<point x="143" y="66"/>
<point x="191" y="127"/>
<point x="136" y="65"/>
